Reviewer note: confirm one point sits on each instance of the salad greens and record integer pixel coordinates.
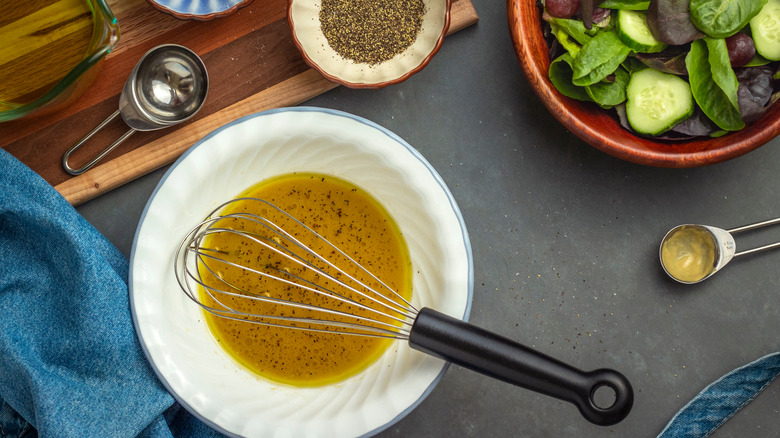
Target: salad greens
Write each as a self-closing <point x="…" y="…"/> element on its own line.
<point x="670" y="21"/>
<point x="723" y="18"/>
<point x="630" y="5"/>
<point x="698" y="48"/>
<point x="713" y="83"/>
<point x="605" y="93"/>
<point x="598" y="58"/>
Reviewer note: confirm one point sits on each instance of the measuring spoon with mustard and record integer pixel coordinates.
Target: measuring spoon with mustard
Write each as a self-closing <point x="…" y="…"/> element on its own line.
<point x="692" y="253"/>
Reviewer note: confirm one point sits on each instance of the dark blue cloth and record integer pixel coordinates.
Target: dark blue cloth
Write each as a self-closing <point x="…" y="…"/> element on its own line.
<point x="70" y="363"/>
<point x="720" y="400"/>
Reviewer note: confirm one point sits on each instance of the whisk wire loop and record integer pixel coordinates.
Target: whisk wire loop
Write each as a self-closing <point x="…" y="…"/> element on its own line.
<point x="317" y="289"/>
<point x="281" y="231"/>
<point x="278" y="248"/>
<point x="193" y="256"/>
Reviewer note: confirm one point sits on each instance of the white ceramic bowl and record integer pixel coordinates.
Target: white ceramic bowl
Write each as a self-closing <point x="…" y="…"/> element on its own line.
<point x="200" y="375"/>
<point x="303" y="16"/>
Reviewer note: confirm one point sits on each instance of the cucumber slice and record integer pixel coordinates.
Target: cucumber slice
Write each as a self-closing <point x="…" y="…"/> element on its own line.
<point x="657" y="101"/>
<point x="634" y="32"/>
<point x="766" y="30"/>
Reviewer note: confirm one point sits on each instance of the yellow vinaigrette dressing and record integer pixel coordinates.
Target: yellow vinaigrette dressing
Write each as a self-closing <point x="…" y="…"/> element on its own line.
<point x="355" y="223"/>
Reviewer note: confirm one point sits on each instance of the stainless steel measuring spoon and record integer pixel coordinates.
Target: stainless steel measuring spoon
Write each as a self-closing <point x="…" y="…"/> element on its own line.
<point x="692" y="253"/>
<point x="167" y="86"/>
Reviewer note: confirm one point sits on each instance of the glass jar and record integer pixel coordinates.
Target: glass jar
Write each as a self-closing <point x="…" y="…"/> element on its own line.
<point x="51" y="52"/>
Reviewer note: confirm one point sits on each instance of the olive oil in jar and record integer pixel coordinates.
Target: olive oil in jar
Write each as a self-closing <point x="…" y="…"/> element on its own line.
<point x="42" y="41"/>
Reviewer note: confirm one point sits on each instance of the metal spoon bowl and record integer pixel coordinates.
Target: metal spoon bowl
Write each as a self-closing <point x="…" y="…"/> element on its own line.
<point x="692" y="253"/>
<point x="167" y="86"/>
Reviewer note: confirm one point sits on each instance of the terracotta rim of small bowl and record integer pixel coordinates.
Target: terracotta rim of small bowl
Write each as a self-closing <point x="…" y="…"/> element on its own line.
<point x="579" y="117"/>
<point x="197" y="17"/>
<point x="366" y="85"/>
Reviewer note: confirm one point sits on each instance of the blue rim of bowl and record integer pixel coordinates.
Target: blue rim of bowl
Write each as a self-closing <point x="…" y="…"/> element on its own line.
<point x="188" y="15"/>
<point x="383" y="130"/>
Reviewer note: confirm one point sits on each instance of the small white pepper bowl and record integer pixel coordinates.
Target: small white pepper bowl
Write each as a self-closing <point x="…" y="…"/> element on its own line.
<point x="304" y="19"/>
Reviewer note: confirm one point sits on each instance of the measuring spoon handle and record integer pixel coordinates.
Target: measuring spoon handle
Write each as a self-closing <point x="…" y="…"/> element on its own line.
<point x="753" y="227"/>
<point x="99" y="156"/>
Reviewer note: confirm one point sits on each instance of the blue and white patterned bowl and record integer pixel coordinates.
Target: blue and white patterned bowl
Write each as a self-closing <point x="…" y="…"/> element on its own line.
<point x="202" y="10"/>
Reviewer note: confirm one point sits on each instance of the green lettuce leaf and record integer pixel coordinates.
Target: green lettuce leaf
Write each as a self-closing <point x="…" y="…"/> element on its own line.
<point x="607" y="93"/>
<point x="723" y="18"/>
<point x="634" y="5"/>
<point x="561" y="77"/>
<point x="720" y="66"/>
<point x="712" y="99"/>
<point x="597" y="59"/>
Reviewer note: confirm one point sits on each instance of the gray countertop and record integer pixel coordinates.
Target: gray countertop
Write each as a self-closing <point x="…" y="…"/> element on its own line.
<point x="565" y="242"/>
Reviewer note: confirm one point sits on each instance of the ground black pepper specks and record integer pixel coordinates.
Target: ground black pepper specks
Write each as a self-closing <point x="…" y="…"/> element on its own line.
<point x="351" y="220"/>
<point x="371" y="31"/>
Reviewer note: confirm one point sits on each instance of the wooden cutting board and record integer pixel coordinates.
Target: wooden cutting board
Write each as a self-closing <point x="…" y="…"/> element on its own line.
<point x="253" y="66"/>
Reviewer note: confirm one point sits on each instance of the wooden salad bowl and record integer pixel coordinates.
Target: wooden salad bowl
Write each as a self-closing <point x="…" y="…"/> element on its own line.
<point x="601" y="128"/>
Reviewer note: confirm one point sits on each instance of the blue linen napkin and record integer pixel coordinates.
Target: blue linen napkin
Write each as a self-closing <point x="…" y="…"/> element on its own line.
<point x="722" y="399"/>
<point x="70" y="363"/>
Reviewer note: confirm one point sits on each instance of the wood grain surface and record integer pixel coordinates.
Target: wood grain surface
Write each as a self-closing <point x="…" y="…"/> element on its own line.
<point x="253" y="66"/>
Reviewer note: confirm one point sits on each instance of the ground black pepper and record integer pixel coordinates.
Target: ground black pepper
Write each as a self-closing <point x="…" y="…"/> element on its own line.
<point x="371" y="31"/>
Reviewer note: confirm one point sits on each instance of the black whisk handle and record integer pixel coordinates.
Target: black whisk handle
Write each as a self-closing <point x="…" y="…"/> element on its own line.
<point x="480" y="350"/>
